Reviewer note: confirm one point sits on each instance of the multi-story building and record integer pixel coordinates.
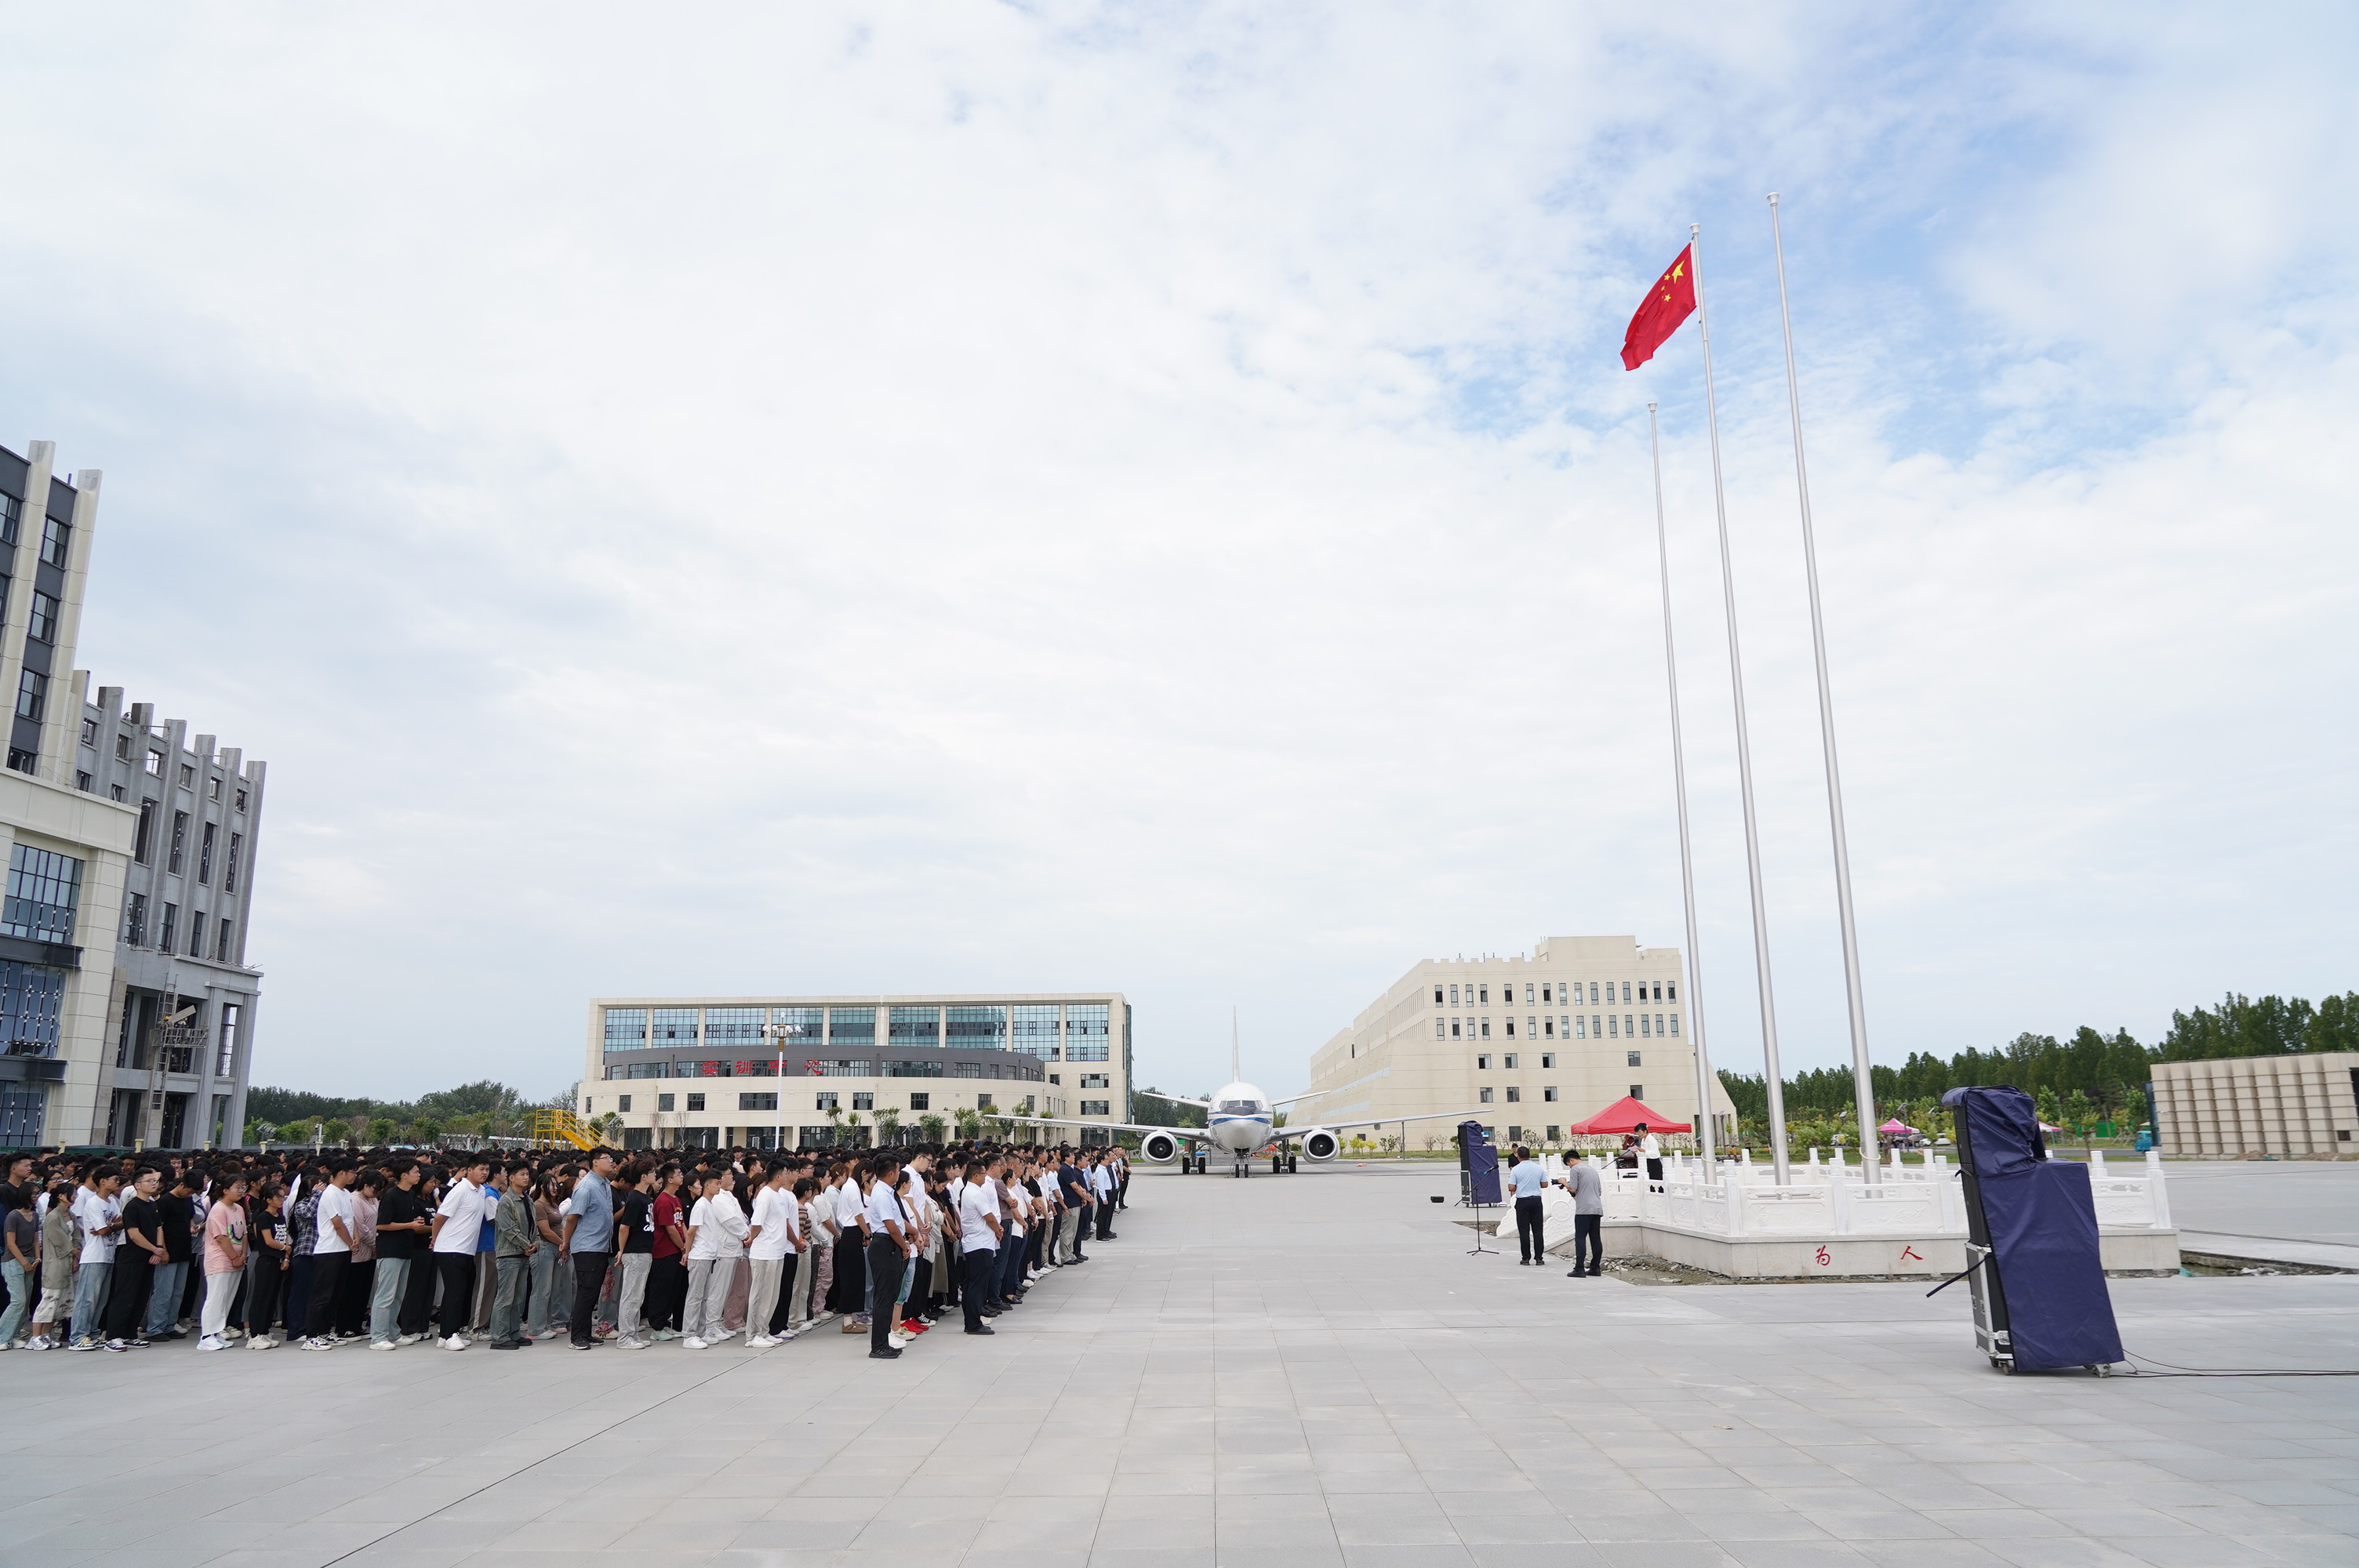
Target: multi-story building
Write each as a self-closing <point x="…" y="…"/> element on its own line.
<point x="125" y="1006"/>
<point x="2306" y="1104"/>
<point x="1537" y="1041"/>
<point x="823" y="1071"/>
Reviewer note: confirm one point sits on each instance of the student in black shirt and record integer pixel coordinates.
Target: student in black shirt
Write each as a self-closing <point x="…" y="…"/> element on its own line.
<point x="634" y="1223"/>
<point x="135" y="1265"/>
<point x="401" y="1219"/>
<point x="178" y="1209"/>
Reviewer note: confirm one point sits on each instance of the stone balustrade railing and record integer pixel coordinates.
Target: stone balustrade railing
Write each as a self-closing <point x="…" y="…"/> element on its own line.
<point x="1738" y="1197"/>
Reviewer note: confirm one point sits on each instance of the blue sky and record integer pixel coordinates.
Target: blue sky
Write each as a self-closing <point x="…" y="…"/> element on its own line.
<point x="1050" y="497"/>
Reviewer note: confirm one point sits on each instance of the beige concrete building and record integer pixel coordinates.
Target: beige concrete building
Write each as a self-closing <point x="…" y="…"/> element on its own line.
<point x="704" y="1072"/>
<point x="1533" y="1044"/>
<point x="2259" y="1105"/>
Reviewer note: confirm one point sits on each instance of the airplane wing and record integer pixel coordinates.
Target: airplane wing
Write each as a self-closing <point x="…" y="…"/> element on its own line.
<point x="1198" y="1134"/>
<point x="1386" y="1121"/>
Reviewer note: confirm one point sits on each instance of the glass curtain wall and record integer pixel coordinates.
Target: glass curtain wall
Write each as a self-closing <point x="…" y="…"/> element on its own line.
<point x="975" y="1028"/>
<point x="1036" y="1032"/>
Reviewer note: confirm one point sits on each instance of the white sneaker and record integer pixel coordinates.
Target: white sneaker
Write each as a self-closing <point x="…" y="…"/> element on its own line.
<point x="212" y="1342"/>
<point x="232" y="1334"/>
<point x="456" y="1342"/>
<point x="384" y="1345"/>
<point x="261" y="1342"/>
<point x="821" y="1318"/>
<point x="662" y="1334"/>
<point x="630" y="1344"/>
<point x="691" y="1343"/>
<point x="316" y="1342"/>
<point x="896" y="1338"/>
<point x="760" y="1342"/>
<point x="789" y="1335"/>
<point x="400" y="1340"/>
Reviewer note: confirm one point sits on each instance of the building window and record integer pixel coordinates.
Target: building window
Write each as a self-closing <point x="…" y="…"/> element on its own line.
<point x="178" y="859"/>
<point x="1545" y="994"/>
<point x="205" y="855"/>
<point x="23" y="759"/>
<point x="824" y="1100"/>
<point x="672" y="1026"/>
<point x="1580" y="1028"/>
<point x="1484" y="995"/>
<point x="1547" y="1058"/>
<point x="1527" y="993"/>
<point x="1487" y="1096"/>
<point x="696" y="1102"/>
<point x="1638" y="1091"/>
<point x="1675" y="1024"/>
<point x="851" y="1025"/>
<point x="1440" y="1031"/>
<point x="240" y="800"/>
<point x="1097" y="1107"/>
<point x="983" y="1101"/>
<point x="1097" y="1080"/>
<point x="1437" y="995"/>
<point x="229" y="867"/>
<point x="1626" y="1025"/>
<point x="1486" y="1029"/>
<point x="975" y="1028"/>
<point x="1509" y="1061"/>
<point x="197" y="935"/>
<point x="1613" y="1029"/>
<point x="155" y="764"/>
<point x="54" y="535"/>
<point x="1626" y="990"/>
<point x="188" y="776"/>
<point x="225" y="1061"/>
<point x="1645" y="1027"/>
<point x="43" y="887"/>
<point x="1592" y="994"/>
<point x="122" y="747"/>
<point x="1454" y="1028"/>
<point x="1550" y="1095"/>
<point x="1088" y="1032"/>
<point x="32" y="693"/>
<point x="90" y="733"/>
<point x="213" y="788"/>
<point x="85" y="782"/>
<point x="44" y="626"/>
<point x="864" y="1099"/>
<point x="1674" y="991"/>
<point x="171" y="925"/>
<point x="626" y="1027"/>
<point x="622" y="1102"/>
<point x="135" y="920"/>
<point x="1481" y="1064"/>
<point x="1511" y="1029"/>
<point x="764" y="1101"/>
<point x="1515" y="1095"/>
<point x="1547" y="1028"/>
<point x="222" y="929"/>
<point x="1634" y="1058"/>
<point x="915" y="1026"/>
<point x="1454" y="996"/>
<point x="11" y="509"/>
<point x="922" y="1101"/>
<point x="666" y="1102"/>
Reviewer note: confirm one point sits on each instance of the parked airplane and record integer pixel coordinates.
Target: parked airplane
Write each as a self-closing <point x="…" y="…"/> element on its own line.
<point x="1241" y="1122"/>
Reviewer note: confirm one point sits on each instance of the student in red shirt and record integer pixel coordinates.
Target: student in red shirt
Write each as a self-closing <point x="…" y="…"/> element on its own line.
<point x="668" y="1276"/>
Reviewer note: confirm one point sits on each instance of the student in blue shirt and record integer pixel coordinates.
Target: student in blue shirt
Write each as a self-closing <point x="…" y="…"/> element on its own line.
<point x="1527" y="1178"/>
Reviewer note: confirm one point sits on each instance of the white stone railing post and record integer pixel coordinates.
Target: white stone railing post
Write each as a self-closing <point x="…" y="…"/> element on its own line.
<point x="1838" y="1200"/>
<point x="2157" y="1198"/>
<point x="1732" y="1185"/>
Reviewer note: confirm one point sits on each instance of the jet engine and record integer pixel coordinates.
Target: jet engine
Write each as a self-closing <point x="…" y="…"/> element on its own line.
<point x="1160" y="1147"/>
<point x="1320" y="1144"/>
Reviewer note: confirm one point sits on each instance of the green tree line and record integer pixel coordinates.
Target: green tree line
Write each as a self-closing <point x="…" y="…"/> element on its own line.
<point x="485" y="1106"/>
<point x="2092" y="1076"/>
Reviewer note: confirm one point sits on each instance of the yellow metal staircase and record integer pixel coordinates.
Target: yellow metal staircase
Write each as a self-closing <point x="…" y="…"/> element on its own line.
<point x="559" y="1127"/>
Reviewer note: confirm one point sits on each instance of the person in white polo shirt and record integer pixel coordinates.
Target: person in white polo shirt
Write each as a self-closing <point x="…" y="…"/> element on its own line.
<point x="889" y="1234"/>
<point x="458" y="1226"/>
<point x="772" y="1251"/>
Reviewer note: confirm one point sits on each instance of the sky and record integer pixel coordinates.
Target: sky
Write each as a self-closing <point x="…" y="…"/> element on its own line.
<point x="854" y="499"/>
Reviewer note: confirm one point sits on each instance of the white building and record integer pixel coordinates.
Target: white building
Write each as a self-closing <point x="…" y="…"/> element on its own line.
<point x="1531" y="1043"/>
<point x="2306" y="1104"/>
<point x="704" y="1072"/>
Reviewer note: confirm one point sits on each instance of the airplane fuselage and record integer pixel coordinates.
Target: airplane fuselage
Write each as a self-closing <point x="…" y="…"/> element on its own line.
<point x="1240" y="1120"/>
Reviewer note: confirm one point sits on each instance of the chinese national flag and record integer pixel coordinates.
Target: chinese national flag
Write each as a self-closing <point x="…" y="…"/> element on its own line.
<point x="1668" y="303"/>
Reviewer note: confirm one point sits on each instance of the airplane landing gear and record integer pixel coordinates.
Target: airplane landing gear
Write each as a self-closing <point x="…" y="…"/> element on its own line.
<point x="1277" y="1164"/>
<point x="1290" y="1166"/>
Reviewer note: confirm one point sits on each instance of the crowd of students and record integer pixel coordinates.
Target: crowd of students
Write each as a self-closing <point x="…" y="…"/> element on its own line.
<point x="392" y="1248"/>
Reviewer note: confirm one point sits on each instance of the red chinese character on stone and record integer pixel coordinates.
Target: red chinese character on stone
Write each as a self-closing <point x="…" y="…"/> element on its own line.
<point x="1824" y="1259"/>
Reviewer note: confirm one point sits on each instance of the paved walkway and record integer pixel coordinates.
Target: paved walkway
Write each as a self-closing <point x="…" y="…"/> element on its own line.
<point x="1289" y="1372"/>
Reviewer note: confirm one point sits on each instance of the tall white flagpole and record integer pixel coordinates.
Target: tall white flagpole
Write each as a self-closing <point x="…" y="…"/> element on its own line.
<point x="1776" y="1084"/>
<point x="1863" y="1079"/>
<point x="1704" y="1142"/>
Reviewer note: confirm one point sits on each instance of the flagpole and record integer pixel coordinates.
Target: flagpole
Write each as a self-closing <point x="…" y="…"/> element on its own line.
<point x="1704" y="1142"/>
<point x="1862" y="1076"/>
<point x="1776" y="1084"/>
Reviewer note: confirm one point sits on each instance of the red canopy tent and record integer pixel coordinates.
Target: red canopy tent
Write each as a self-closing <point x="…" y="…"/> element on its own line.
<point x="1624" y="1116"/>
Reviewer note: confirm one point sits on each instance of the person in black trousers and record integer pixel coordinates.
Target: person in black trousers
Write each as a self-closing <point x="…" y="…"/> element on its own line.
<point x="886" y="1256"/>
<point x="135" y="1256"/>
<point x="1527" y="1178"/>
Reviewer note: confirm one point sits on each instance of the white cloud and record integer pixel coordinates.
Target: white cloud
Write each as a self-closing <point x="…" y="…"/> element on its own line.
<point x="854" y="501"/>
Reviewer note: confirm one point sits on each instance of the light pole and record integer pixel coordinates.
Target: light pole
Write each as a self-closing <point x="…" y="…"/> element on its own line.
<point x="779" y="1033"/>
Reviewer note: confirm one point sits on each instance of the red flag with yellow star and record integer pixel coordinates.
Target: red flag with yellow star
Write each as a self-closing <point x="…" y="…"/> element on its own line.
<point x="1668" y="303"/>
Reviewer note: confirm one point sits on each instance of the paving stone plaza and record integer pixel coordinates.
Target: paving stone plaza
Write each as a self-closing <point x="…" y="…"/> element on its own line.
<point x="1288" y="1372"/>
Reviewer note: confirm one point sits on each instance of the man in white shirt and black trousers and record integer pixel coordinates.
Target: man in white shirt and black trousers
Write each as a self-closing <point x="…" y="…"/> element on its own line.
<point x="978" y="1215"/>
<point x="888" y="1250"/>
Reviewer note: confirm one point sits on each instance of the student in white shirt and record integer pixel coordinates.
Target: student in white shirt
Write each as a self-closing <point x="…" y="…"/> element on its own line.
<point x="98" y="1213"/>
<point x="331" y="1248"/>
<point x="772" y="1249"/>
<point x="887" y="1255"/>
<point x="716" y="1231"/>
<point x="458" y="1226"/>
<point x="978" y="1215"/>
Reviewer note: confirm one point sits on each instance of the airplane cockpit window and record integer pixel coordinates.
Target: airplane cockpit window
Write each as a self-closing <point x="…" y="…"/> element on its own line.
<point x="1239" y="1107"/>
